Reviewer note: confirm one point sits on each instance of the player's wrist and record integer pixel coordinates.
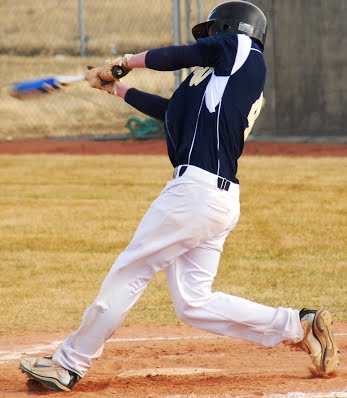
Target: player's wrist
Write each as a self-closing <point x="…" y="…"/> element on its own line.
<point x="137" y="60"/>
<point x="120" y="89"/>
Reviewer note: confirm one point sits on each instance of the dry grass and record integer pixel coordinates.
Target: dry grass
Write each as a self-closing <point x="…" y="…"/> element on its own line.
<point x="32" y="27"/>
<point x="77" y="109"/>
<point x="38" y="38"/>
<point x="64" y="219"/>
<point x="38" y="27"/>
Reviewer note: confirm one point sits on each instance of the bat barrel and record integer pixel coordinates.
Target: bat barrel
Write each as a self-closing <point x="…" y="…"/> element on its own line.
<point x="35" y="85"/>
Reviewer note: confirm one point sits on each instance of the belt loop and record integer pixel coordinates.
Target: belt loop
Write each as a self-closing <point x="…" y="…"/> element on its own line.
<point x="182" y="170"/>
<point x="223" y="183"/>
<point x="179" y="170"/>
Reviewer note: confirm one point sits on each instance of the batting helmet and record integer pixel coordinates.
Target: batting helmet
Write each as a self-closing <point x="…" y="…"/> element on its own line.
<point x="235" y="16"/>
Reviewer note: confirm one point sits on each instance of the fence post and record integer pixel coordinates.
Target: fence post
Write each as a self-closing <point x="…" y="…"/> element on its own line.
<point x="200" y="6"/>
<point x="188" y="40"/>
<point x="81" y="27"/>
<point x="176" y="16"/>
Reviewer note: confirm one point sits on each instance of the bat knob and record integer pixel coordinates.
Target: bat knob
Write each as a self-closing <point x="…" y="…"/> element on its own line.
<point x="118" y="72"/>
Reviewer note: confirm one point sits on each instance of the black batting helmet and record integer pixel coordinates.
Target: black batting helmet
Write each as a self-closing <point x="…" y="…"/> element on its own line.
<point x="235" y="16"/>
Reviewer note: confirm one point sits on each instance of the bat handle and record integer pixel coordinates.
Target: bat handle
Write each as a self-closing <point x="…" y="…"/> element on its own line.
<point x="117" y="71"/>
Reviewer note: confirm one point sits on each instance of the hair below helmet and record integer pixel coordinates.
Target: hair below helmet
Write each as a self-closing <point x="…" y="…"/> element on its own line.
<point x="235" y="16"/>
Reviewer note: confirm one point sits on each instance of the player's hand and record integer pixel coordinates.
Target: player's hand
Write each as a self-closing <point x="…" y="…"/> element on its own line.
<point x="115" y="87"/>
<point x="123" y="62"/>
<point x="92" y="76"/>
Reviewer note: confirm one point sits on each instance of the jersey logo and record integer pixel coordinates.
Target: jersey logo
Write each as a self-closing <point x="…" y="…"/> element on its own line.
<point x="253" y="114"/>
<point x="200" y="74"/>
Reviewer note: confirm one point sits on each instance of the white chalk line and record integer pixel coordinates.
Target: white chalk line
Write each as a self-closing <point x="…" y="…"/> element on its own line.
<point x="6" y="356"/>
<point x="341" y="394"/>
<point x="287" y="395"/>
<point x="9" y="356"/>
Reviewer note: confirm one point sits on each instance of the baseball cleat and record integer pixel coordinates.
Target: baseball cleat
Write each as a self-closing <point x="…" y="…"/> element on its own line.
<point x="319" y="339"/>
<point x="49" y="373"/>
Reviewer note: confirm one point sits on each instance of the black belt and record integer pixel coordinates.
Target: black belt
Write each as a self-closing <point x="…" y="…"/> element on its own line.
<point x="182" y="171"/>
<point x="222" y="183"/>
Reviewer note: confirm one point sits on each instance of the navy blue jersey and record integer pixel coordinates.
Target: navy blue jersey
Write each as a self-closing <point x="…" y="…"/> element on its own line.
<point x="210" y="114"/>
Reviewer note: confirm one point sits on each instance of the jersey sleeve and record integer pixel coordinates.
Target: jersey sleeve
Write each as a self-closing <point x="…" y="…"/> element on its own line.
<point x="219" y="51"/>
<point x="150" y="104"/>
<point x="209" y="51"/>
<point x="174" y="58"/>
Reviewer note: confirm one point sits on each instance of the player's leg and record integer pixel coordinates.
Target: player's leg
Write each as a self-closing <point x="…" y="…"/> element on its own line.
<point x="190" y="279"/>
<point x="152" y="248"/>
<point x="179" y="219"/>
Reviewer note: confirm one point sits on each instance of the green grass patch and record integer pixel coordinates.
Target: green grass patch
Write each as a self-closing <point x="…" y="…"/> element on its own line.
<point x="64" y="220"/>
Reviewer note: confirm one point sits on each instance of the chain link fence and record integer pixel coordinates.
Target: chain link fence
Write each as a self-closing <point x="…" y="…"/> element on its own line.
<point x="61" y="37"/>
<point x="305" y="88"/>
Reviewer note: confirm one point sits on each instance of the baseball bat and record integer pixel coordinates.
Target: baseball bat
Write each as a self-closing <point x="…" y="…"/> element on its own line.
<point x="36" y="87"/>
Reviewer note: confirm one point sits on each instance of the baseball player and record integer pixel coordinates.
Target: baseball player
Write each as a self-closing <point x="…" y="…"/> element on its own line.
<point x="207" y="121"/>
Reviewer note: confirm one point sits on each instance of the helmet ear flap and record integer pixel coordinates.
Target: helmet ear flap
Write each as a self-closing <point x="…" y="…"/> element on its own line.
<point x="226" y="28"/>
<point x="219" y="27"/>
<point x="202" y="30"/>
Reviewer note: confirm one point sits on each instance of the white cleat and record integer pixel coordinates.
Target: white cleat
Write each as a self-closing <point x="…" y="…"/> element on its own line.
<point x="49" y="373"/>
<point x="319" y="339"/>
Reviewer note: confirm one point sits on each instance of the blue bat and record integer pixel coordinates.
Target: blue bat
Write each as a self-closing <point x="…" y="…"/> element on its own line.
<point x="43" y="85"/>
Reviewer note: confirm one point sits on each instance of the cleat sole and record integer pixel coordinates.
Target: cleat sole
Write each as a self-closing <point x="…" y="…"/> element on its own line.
<point x="49" y="382"/>
<point x="323" y="332"/>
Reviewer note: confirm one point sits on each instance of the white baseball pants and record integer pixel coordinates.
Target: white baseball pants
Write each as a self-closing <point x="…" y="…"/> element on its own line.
<point x="183" y="232"/>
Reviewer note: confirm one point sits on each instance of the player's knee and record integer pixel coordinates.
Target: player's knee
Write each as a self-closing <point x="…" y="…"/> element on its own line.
<point x="100" y="306"/>
<point x="183" y="315"/>
<point x="188" y="310"/>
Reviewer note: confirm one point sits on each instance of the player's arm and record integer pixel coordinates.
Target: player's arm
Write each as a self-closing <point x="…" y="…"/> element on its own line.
<point x="205" y="52"/>
<point x="170" y="58"/>
<point x="150" y="104"/>
<point x="175" y="57"/>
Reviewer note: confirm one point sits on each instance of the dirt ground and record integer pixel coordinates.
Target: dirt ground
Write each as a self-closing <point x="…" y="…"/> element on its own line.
<point x="158" y="147"/>
<point x="178" y="361"/>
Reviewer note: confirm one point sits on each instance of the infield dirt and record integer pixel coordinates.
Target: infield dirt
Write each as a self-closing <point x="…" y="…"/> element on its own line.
<point x="158" y="147"/>
<point x="176" y="361"/>
<point x="184" y="363"/>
